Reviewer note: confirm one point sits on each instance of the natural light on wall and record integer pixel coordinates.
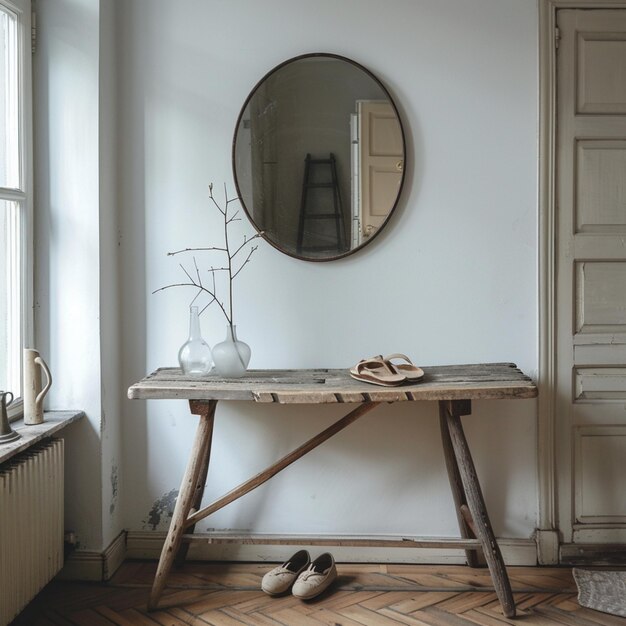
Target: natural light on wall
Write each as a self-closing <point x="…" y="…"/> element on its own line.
<point x="13" y="199"/>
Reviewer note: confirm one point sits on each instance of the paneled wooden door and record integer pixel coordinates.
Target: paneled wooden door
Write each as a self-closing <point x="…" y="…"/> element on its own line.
<point x="591" y="276"/>
<point x="381" y="163"/>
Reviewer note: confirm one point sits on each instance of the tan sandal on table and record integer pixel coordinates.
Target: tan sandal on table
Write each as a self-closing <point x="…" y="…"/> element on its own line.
<point x="378" y="372"/>
<point x="408" y="369"/>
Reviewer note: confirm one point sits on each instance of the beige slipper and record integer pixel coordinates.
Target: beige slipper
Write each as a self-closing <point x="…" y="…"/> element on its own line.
<point x="408" y="369"/>
<point x="281" y="578"/>
<point x="378" y="372"/>
<point x="316" y="578"/>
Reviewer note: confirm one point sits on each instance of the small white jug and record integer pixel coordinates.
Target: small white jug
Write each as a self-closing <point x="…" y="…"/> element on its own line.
<point x="33" y="391"/>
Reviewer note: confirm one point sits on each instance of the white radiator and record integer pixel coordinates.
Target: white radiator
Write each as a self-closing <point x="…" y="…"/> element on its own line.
<point x="31" y="525"/>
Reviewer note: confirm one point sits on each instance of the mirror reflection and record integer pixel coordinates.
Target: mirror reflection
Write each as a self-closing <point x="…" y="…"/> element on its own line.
<point x="318" y="157"/>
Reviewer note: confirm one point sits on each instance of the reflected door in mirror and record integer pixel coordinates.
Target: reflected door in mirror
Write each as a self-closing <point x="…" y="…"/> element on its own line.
<point x="380" y="165"/>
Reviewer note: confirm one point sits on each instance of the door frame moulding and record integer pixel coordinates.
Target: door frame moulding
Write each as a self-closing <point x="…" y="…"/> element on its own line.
<point x="547" y="535"/>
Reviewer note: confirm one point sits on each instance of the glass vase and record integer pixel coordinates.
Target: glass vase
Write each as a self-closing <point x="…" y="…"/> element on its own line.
<point x="231" y="356"/>
<point x="194" y="355"/>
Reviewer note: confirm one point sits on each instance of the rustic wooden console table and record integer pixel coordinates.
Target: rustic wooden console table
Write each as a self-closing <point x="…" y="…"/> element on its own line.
<point x="454" y="387"/>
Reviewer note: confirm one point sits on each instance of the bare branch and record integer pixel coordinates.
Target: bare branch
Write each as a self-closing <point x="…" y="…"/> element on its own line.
<point x="207" y="306"/>
<point x="226" y="306"/>
<point x="178" y="285"/>
<point x="219" y="208"/>
<point x="192" y="284"/>
<point x="196" y="297"/>
<point x="245" y="262"/>
<point x="186" y="272"/>
<point x="195" y="250"/>
<point x="246" y="241"/>
<point x="197" y="271"/>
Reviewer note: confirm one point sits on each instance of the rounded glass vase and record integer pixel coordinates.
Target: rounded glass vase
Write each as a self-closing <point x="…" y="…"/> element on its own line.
<point x="231" y="356"/>
<point x="194" y="355"/>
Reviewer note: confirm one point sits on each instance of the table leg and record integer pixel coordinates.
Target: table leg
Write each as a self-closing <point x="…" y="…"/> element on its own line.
<point x="476" y="504"/>
<point x="198" y="408"/>
<point x="454" y="476"/>
<point x="184" y="502"/>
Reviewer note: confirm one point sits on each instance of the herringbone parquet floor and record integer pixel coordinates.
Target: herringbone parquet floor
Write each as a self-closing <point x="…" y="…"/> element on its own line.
<point x="226" y="594"/>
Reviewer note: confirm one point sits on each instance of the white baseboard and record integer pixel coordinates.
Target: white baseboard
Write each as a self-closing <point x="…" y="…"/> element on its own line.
<point x="89" y="565"/>
<point x="148" y="545"/>
<point x="95" y="566"/>
<point x="114" y="556"/>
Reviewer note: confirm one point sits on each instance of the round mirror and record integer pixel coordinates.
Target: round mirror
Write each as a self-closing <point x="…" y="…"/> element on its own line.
<point x="318" y="156"/>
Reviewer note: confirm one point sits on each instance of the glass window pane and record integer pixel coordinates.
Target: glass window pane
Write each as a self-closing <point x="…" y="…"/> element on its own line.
<point x="9" y="118"/>
<point x="10" y="297"/>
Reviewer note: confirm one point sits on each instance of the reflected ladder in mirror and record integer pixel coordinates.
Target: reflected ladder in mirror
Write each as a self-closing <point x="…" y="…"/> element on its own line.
<point x="309" y="182"/>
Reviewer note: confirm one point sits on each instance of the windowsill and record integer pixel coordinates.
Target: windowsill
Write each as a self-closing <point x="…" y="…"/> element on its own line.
<point x="54" y="421"/>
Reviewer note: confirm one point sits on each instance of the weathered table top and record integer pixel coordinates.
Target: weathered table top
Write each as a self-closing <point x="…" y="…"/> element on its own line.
<point x="322" y="386"/>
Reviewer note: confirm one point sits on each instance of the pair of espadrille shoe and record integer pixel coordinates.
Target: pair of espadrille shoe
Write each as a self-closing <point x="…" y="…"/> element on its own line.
<point x="306" y="578"/>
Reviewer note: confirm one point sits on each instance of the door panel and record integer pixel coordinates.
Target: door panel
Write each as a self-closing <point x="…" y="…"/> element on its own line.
<point x="600" y="197"/>
<point x="600" y="384"/>
<point x="600" y="296"/>
<point x="600" y="77"/>
<point x="381" y="163"/>
<point x="591" y="275"/>
<point x="600" y="452"/>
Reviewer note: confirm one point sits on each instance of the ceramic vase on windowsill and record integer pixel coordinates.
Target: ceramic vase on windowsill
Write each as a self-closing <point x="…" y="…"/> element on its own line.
<point x="194" y="355"/>
<point x="231" y="356"/>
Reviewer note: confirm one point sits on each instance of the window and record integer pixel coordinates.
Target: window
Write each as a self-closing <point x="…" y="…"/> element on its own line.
<point x="16" y="267"/>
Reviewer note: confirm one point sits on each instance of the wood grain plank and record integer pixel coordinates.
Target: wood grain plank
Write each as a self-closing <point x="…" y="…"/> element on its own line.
<point x="541" y="602"/>
<point x="220" y="618"/>
<point x="183" y="503"/>
<point x="320" y="386"/>
<point x="129" y="617"/>
<point x="321" y="540"/>
<point x="90" y="617"/>
<point x="342" y="599"/>
<point x="387" y="599"/>
<point x="434" y="616"/>
<point x="483" y="619"/>
<point x="218" y="599"/>
<point x="291" y="616"/>
<point x="185" y="616"/>
<point x="476" y="503"/>
<point x="265" y="604"/>
<point x="462" y="602"/>
<point x="416" y="601"/>
<point x="333" y="619"/>
<point x="366" y="617"/>
<point x="258" y="619"/>
<point x="166" y="618"/>
<point x="409" y="620"/>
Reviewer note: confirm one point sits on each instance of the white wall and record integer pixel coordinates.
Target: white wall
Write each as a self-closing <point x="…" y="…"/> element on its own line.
<point x="451" y="280"/>
<point x="76" y="304"/>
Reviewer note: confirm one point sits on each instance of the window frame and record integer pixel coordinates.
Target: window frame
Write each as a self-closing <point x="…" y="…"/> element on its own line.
<point x="24" y="193"/>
